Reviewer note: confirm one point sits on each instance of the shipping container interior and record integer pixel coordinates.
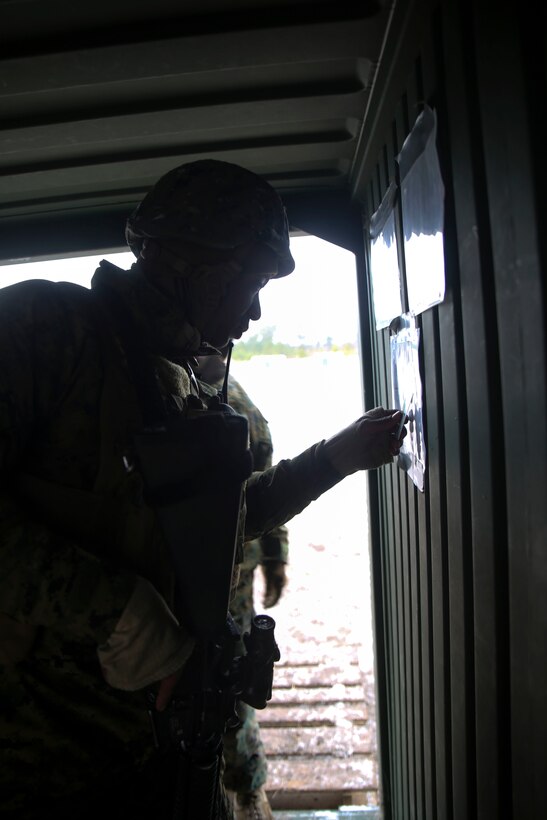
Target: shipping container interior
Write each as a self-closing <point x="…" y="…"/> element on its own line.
<point x="326" y="100"/>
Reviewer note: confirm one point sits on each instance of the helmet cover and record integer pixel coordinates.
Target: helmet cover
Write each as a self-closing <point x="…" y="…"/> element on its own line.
<point x="214" y="204"/>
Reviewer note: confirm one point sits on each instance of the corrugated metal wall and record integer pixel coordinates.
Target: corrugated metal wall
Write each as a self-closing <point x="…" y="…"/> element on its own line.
<point x="460" y="571"/>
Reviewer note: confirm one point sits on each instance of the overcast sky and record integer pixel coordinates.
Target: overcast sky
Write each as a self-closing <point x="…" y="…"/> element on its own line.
<point x="318" y="300"/>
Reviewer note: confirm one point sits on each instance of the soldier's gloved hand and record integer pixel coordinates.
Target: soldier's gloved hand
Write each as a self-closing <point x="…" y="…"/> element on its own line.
<point x="367" y="443"/>
<point x="276" y="579"/>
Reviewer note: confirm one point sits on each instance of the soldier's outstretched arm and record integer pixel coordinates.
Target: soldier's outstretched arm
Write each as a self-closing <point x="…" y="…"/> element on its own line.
<point x="281" y="492"/>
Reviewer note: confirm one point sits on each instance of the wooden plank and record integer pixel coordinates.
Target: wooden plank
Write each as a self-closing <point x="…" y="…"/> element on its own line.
<point x="359" y="772"/>
<point x="342" y="741"/>
<point x="318" y="694"/>
<point x="287" y="677"/>
<point x="312" y="714"/>
<point x="313" y="652"/>
<point x="306" y="802"/>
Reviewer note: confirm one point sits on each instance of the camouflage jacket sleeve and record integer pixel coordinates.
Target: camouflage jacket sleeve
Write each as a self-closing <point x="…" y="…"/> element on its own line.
<point x="46" y="579"/>
<point x="273" y="545"/>
<point x="276" y="494"/>
<point x="281" y="492"/>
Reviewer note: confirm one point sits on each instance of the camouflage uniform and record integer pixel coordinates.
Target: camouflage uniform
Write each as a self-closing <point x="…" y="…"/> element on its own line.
<point x="75" y="533"/>
<point x="246" y="766"/>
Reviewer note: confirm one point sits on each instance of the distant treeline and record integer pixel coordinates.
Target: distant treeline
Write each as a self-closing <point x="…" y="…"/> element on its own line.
<point x="262" y="344"/>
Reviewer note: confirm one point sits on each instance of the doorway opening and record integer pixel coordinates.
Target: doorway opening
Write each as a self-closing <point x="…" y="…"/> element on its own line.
<point x="300" y="365"/>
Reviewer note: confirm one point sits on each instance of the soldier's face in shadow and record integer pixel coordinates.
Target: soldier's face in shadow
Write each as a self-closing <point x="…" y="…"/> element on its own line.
<point x="240" y="302"/>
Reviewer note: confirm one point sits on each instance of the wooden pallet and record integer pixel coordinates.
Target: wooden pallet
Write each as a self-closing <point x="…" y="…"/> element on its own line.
<point x="320" y="735"/>
<point x="319" y="729"/>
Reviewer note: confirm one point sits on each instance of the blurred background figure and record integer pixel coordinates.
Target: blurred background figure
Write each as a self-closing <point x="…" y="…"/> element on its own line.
<point x="246" y="768"/>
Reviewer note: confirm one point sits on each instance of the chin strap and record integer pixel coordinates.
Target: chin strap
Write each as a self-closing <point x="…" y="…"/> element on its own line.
<point x="224" y="391"/>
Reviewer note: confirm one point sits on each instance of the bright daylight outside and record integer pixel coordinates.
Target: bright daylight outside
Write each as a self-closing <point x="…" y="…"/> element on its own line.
<point x="300" y="365"/>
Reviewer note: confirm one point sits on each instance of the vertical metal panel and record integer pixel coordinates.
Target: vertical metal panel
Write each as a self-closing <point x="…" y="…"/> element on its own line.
<point x="401" y="681"/>
<point x="415" y="97"/>
<point x="381" y="616"/>
<point x="386" y="478"/>
<point x="457" y="502"/>
<point x="507" y="108"/>
<point x="486" y="517"/>
<point x="399" y="131"/>
<point x="465" y="564"/>
<point x="436" y="519"/>
<point x="415" y="626"/>
<point x="408" y="653"/>
<point x="381" y="517"/>
<point x="403" y="119"/>
<point x="422" y="87"/>
<point x="426" y="663"/>
<point x="461" y="652"/>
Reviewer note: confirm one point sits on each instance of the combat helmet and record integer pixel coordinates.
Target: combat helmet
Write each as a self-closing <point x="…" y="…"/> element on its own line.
<point x="214" y="204"/>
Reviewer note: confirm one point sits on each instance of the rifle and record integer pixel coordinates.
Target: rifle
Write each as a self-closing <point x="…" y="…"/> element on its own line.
<point x="194" y="470"/>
